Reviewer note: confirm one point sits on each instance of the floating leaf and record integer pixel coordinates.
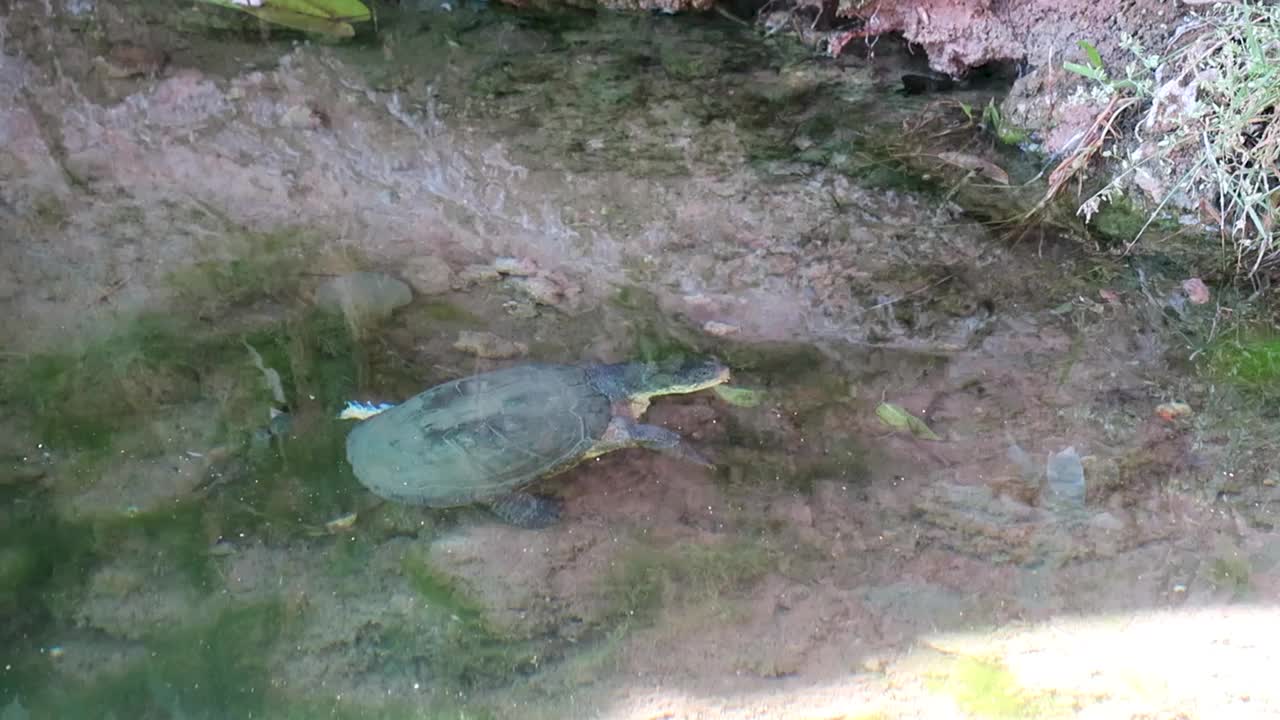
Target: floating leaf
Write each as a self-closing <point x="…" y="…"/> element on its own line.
<point x="741" y="397"/>
<point x="899" y="419"/>
<point x="973" y="162"/>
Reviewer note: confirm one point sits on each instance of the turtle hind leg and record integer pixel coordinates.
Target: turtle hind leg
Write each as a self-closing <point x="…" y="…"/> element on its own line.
<point x="525" y="510"/>
<point x="665" y="442"/>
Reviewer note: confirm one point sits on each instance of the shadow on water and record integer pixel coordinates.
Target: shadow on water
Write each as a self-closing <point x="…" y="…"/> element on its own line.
<point x="182" y="536"/>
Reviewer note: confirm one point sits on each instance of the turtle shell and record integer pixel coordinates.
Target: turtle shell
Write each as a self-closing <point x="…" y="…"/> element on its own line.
<point x="481" y="436"/>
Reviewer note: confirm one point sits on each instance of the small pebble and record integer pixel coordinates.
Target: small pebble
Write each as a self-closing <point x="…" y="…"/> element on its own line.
<point x="719" y="329"/>
<point x="515" y="266"/>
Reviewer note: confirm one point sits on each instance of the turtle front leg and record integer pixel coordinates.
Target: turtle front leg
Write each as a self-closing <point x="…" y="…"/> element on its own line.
<point x="636" y="434"/>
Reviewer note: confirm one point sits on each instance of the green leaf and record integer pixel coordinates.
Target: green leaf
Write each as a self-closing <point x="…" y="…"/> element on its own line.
<point x="741" y="397"/>
<point x="348" y="10"/>
<point x="899" y="419"/>
<point x="1091" y="73"/>
<point x="1091" y="52"/>
<point x="1011" y="135"/>
<point x="991" y="114"/>
<point x="325" y="17"/>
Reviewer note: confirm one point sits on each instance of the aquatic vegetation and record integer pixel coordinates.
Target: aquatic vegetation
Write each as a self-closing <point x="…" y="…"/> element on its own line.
<point x="102" y="400"/>
<point x="182" y="536"/>
<point x="654" y="336"/>
<point x="268" y="267"/>
<point x="126" y="392"/>
<point x="780" y="363"/>
<point x="455" y="640"/>
<point x="1118" y="222"/>
<point x="84" y="399"/>
<point x="1251" y="362"/>
<point x="50" y="211"/>
<point x="216" y="670"/>
<point x="1231" y="572"/>
<point x="987" y="690"/>
<point x="647" y="577"/>
<point x="43" y="563"/>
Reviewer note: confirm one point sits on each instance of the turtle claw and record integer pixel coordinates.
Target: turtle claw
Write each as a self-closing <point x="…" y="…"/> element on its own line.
<point x="666" y="442"/>
<point x="687" y="453"/>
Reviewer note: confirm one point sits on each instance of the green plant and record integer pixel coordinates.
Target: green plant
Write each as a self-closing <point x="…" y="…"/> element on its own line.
<point x="1234" y="67"/>
<point x="1133" y="82"/>
<point x="1214" y="121"/>
<point x="1122" y="96"/>
<point x="994" y="122"/>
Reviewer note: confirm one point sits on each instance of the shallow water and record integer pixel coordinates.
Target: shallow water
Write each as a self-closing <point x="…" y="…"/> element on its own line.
<point x="949" y="480"/>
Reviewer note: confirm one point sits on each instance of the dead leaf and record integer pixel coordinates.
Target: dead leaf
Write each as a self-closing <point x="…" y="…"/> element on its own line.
<point x="1197" y="291"/>
<point x="972" y="162"/>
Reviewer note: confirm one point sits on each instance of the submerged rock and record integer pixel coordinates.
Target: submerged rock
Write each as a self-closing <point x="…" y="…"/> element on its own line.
<point x="719" y="329"/>
<point x="489" y="346"/>
<point x="429" y="275"/>
<point x="542" y="287"/>
<point x="364" y="295"/>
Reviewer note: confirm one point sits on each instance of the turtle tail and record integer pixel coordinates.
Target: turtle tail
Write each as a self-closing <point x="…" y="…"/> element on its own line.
<point x="356" y="410"/>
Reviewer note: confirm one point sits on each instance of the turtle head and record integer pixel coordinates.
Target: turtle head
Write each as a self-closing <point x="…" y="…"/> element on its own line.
<point x="646" y="380"/>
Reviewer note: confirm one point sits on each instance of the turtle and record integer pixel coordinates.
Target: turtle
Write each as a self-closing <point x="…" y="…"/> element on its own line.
<point x="481" y="439"/>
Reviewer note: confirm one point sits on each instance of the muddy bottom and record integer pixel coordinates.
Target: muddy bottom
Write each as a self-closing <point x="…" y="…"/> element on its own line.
<point x="956" y="473"/>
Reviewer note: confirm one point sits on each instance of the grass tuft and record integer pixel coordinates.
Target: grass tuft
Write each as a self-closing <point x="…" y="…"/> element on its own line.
<point x="1208" y="129"/>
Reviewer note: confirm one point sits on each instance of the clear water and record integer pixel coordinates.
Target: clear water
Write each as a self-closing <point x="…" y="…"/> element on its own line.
<point x="948" y="479"/>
